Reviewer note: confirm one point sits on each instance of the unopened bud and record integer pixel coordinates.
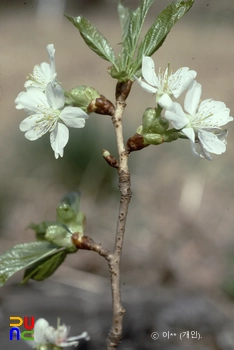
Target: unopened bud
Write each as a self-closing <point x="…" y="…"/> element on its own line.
<point x="101" y="106"/>
<point x="89" y="100"/>
<point x="153" y="139"/>
<point x="111" y="160"/>
<point x="153" y="123"/>
<point x="82" y="96"/>
<point x="136" y="143"/>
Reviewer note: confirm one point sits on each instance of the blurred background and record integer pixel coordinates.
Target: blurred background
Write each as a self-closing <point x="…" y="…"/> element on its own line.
<point x="178" y="258"/>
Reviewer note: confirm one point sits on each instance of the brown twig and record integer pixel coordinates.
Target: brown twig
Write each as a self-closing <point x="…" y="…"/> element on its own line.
<point x="115" y="333"/>
<point x="84" y="242"/>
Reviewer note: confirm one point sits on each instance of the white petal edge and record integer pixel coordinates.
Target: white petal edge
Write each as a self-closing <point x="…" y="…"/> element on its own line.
<point x="189" y="132"/>
<point x="165" y="101"/>
<point x="192" y="98"/>
<point x="55" y="96"/>
<point x="211" y="143"/>
<point x="32" y="100"/>
<point x="181" y="80"/>
<point x="58" y="139"/>
<point x="176" y="115"/>
<point x="39" y="331"/>
<point x="148" y="71"/>
<point x="145" y="86"/>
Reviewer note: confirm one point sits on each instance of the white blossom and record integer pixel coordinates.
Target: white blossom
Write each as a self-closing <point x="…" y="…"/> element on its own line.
<point x="201" y="121"/>
<point x="44" y="73"/>
<point x="46" y="335"/>
<point x="164" y="82"/>
<point x="47" y="114"/>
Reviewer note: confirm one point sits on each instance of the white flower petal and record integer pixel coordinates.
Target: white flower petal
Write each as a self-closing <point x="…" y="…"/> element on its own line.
<point x="32" y="100"/>
<point x="29" y="122"/>
<point x="41" y="76"/>
<point x="189" y="132"/>
<point x="58" y="139"/>
<point x="39" y="331"/>
<point x="73" y="117"/>
<point x="192" y="98"/>
<point x="164" y="82"/>
<point x="180" y="80"/>
<point x="210" y="106"/>
<point x="211" y="143"/>
<point x="165" y="101"/>
<point x="148" y="71"/>
<point x="204" y="153"/>
<point x="146" y="86"/>
<point x="193" y="146"/>
<point x="33" y="134"/>
<point x="176" y="115"/>
<point x="218" y="119"/>
<point x="55" y="96"/>
<point x="51" y="52"/>
<point x="223" y="136"/>
<point x="17" y="100"/>
<point x="66" y="344"/>
<point x="43" y="73"/>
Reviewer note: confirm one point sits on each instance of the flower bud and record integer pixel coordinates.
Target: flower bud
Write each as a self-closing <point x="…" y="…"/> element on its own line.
<point x="89" y="100"/>
<point x="111" y="160"/>
<point x="157" y="139"/>
<point x="153" y="139"/>
<point x="101" y="106"/>
<point x="82" y="96"/>
<point x="153" y="123"/>
<point x="136" y="143"/>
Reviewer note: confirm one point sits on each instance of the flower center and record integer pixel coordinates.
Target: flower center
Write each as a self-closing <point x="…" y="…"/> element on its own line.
<point x="164" y="82"/>
<point x="48" y="121"/>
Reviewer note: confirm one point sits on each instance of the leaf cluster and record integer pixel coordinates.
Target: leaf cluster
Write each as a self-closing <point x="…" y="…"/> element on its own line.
<point x="42" y="258"/>
<point x="129" y="61"/>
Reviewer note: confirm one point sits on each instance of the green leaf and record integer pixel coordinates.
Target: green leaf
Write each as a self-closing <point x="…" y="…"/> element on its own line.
<point x="93" y="38"/>
<point x="136" y="22"/>
<point x="59" y="236"/>
<point x="119" y="75"/>
<point x="124" y="16"/>
<point x="157" y="33"/>
<point x="44" y="268"/>
<point x="21" y="256"/>
<point x="40" y="229"/>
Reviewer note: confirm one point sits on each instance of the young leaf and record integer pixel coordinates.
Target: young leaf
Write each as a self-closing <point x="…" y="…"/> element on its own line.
<point x="45" y="267"/>
<point x="157" y="33"/>
<point x="70" y="221"/>
<point x="73" y="200"/>
<point x="124" y="16"/>
<point x="41" y="228"/>
<point x="93" y="38"/>
<point x="21" y="256"/>
<point x="59" y="236"/>
<point x="136" y="22"/>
